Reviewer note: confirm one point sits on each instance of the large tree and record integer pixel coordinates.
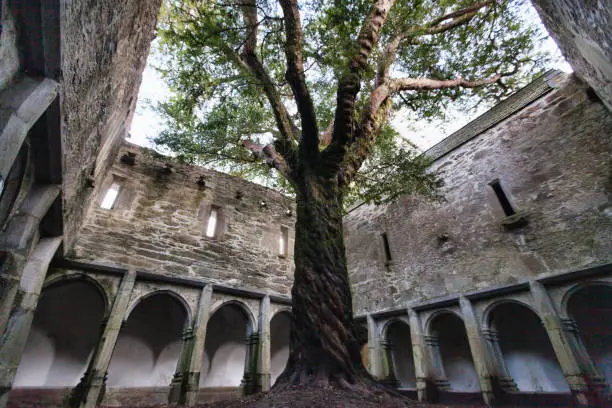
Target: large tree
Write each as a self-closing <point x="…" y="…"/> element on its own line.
<point x="307" y="90"/>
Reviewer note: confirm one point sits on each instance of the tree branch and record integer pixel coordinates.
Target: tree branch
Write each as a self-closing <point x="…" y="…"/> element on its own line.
<point x="459" y="13"/>
<point x="270" y="156"/>
<point x="309" y="146"/>
<point x="427" y="84"/>
<point x="349" y="84"/>
<point x="248" y="57"/>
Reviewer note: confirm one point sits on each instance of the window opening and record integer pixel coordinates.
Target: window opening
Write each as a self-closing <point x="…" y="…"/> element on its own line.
<point x="111" y="196"/>
<point x="385" y="240"/>
<point x="282" y="241"/>
<point x="503" y="199"/>
<point x="211" y="229"/>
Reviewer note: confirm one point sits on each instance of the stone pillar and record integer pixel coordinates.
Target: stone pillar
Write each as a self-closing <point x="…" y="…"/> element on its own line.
<point x="422" y="367"/>
<point x="502" y="379"/>
<point x="95" y="379"/>
<point x="177" y="386"/>
<point x="249" y="381"/>
<point x="388" y="370"/>
<point x="561" y="345"/>
<point x="15" y="336"/>
<point x="483" y="361"/>
<point x="374" y="349"/>
<point x="594" y="378"/>
<point x="192" y="377"/>
<point x="264" y="364"/>
<point x="435" y="356"/>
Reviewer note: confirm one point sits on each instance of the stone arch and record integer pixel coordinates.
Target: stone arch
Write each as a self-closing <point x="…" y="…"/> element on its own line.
<point x="437" y="313"/>
<point x="578" y="287"/>
<point x="58" y="279"/>
<point x="280" y="327"/>
<point x="252" y="322"/>
<point x="149" y="343"/>
<point x="12" y="185"/>
<point x="176" y="296"/>
<point x="452" y="355"/>
<point x="486" y="315"/>
<point x="396" y="333"/>
<point x="226" y="351"/>
<point x="589" y="307"/>
<point x="529" y="358"/>
<point x="64" y="333"/>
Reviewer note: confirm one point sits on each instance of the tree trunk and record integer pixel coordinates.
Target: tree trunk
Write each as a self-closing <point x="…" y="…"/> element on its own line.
<point x="324" y="345"/>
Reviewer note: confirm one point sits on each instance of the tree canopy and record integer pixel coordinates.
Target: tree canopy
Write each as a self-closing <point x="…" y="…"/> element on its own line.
<point x="256" y="84"/>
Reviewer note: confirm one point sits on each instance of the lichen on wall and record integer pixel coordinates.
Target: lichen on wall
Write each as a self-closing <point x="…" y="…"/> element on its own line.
<point x="552" y="159"/>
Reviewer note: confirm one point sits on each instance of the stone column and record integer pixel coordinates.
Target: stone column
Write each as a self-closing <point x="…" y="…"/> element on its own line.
<point x="249" y="381"/>
<point x="15" y="336"/>
<point x="422" y="365"/>
<point x="192" y="377"/>
<point x="177" y="386"/>
<point x="95" y="382"/>
<point x="388" y="370"/>
<point x="483" y="361"/>
<point x="439" y="375"/>
<point x="264" y="363"/>
<point x="595" y="380"/>
<point x="374" y="349"/>
<point x="498" y="369"/>
<point x="561" y="345"/>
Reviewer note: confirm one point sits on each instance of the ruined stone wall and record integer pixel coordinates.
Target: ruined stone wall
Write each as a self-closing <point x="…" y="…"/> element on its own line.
<point x="9" y="54"/>
<point x="104" y="49"/>
<point x="582" y="32"/>
<point x="553" y="161"/>
<point x="159" y="223"/>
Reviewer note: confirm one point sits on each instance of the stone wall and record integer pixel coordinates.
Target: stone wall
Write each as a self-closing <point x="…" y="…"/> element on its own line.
<point x="159" y="223"/>
<point x="582" y="32"/>
<point x="104" y="49"/>
<point x="9" y="54"/>
<point x="552" y="159"/>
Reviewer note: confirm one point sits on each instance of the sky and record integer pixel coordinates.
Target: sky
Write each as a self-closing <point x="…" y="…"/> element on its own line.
<point x="423" y="134"/>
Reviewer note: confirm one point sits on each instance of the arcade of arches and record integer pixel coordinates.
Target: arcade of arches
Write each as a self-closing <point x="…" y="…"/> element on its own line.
<point x="433" y="347"/>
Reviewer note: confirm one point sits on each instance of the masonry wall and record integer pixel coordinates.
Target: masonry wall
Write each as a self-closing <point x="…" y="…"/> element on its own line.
<point x="582" y="32"/>
<point x="553" y="161"/>
<point x="104" y="49"/>
<point x="9" y="53"/>
<point x="159" y="223"/>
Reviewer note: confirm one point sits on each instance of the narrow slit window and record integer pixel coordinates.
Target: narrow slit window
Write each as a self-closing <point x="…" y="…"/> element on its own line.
<point x="503" y="199"/>
<point x="282" y="241"/>
<point x="385" y="241"/>
<point x="211" y="229"/>
<point x="111" y="196"/>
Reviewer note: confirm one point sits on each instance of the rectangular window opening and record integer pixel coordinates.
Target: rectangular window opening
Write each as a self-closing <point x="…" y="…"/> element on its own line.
<point x="283" y="241"/>
<point x="503" y="199"/>
<point x="111" y="196"/>
<point x="385" y="240"/>
<point x="211" y="229"/>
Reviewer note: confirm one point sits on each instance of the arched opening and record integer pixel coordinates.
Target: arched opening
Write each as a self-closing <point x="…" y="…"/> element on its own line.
<point x="398" y="335"/>
<point x="225" y="348"/>
<point x="454" y="353"/>
<point x="149" y="345"/>
<point x="528" y="355"/>
<point x="591" y="309"/>
<point x="280" y="327"/>
<point x="64" y="333"/>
